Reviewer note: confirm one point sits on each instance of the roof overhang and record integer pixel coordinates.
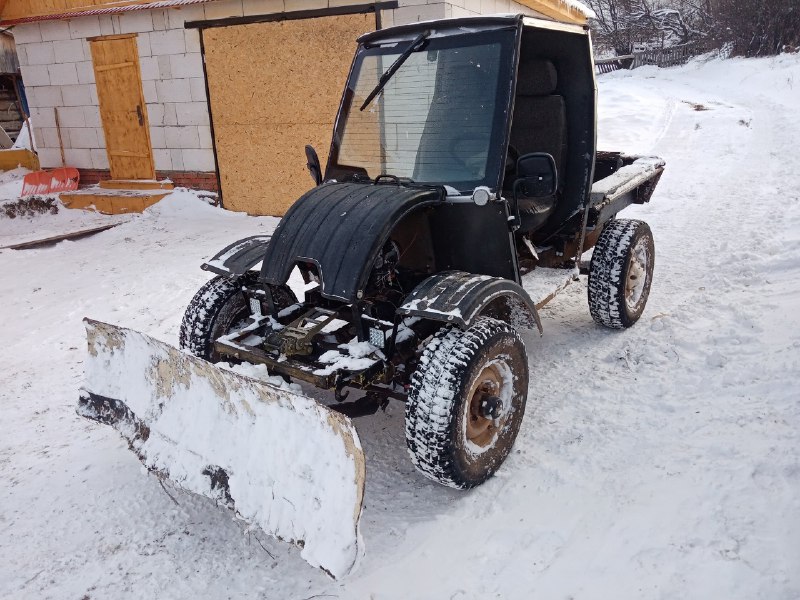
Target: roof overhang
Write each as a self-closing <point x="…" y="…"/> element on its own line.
<point x="109" y="8"/>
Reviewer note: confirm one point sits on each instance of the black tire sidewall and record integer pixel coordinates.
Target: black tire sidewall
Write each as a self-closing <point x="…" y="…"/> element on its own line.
<point x="471" y="470"/>
<point x="630" y="317"/>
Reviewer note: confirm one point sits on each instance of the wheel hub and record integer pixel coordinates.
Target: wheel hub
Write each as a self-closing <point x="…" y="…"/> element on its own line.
<point x="486" y="410"/>
<point x="637" y="274"/>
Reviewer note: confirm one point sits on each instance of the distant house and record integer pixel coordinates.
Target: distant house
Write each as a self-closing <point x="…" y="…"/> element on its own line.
<point x="220" y="95"/>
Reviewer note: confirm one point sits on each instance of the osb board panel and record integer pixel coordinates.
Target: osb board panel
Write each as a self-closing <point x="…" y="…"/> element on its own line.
<point x="122" y="108"/>
<point x="275" y="87"/>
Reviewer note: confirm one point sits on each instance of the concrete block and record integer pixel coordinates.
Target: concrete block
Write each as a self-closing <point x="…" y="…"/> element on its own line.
<point x="49" y="158"/>
<point x="177" y="159"/>
<point x="155" y="114"/>
<point x="262" y="7"/>
<point x="387" y="18"/>
<point x="335" y="3"/>
<point x="46" y="137"/>
<point x="292" y="5"/>
<point x="85" y="71"/>
<point x="150" y="92"/>
<point x="72" y="116"/>
<point x="67" y="51"/>
<point x="44" y="96"/>
<point x="413" y="14"/>
<point x="22" y="55"/>
<point x="101" y="137"/>
<point x="181" y="137"/>
<point x="43" y="117"/>
<point x="99" y="158"/>
<point x="37" y="54"/>
<point x="84" y="27"/>
<point x="179" y="15"/>
<point x="136" y="21"/>
<point x="488" y="7"/>
<point x="171" y="41"/>
<point x="456" y="12"/>
<point x="148" y="65"/>
<point x="77" y="95"/>
<point x="170" y="114"/>
<point x="143" y="44"/>
<point x="91" y="115"/>
<point x="160" y="20"/>
<point x="81" y="137"/>
<point x="173" y="90"/>
<point x="54" y="30"/>
<point x="115" y="27"/>
<point x="473" y="5"/>
<point x="204" y="133"/>
<point x="78" y="157"/>
<point x="223" y="9"/>
<point x="93" y="100"/>
<point x="192" y="39"/>
<point x="192" y="113"/>
<point x="197" y="86"/>
<point x="35" y="75"/>
<point x="162" y="159"/>
<point x="106" y="25"/>
<point x="27" y="33"/>
<point x="164" y="66"/>
<point x="187" y="65"/>
<point x="158" y="138"/>
<point x="64" y="74"/>
<point x="198" y="160"/>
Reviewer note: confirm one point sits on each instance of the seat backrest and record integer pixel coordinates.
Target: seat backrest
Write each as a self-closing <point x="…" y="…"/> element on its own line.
<point x="540" y="116"/>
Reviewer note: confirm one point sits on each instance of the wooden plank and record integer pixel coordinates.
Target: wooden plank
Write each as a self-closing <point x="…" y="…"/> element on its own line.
<point x="20" y="9"/>
<point x="54" y="239"/>
<point x="275" y="87"/>
<point x="136" y="184"/>
<point x="15" y="157"/>
<point x="110" y="203"/>
<point x="122" y="107"/>
<point x="122" y="65"/>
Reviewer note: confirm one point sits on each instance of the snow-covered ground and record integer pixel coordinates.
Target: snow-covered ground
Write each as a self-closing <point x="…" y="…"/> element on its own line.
<point x="659" y="462"/>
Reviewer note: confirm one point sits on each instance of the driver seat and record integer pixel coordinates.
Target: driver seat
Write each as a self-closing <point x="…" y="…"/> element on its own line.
<point x="539" y="125"/>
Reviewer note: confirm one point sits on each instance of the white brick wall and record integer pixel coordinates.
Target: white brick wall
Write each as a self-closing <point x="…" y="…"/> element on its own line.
<point x="57" y="70"/>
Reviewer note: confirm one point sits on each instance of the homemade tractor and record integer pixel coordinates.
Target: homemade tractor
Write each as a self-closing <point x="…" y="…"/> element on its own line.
<point x="462" y="188"/>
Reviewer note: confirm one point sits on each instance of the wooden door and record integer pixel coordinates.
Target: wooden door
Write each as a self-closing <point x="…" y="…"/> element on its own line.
<point x="275" y="87"/>
<point x="122" y="107"/>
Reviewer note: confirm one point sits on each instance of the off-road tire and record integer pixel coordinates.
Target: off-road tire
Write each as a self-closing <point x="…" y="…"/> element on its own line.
<point x="437" y="405"/>
<point x="615" y="298"/>
<point x="216" y="308"/>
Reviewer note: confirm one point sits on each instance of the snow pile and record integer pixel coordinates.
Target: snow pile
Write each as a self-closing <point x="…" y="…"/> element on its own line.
<point x="276" y="457"/>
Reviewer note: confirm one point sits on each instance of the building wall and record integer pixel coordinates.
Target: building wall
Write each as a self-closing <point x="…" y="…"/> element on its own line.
<point x="57" y="70"/>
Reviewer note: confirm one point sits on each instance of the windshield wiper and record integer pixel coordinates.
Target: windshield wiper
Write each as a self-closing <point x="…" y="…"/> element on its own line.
<point x="413" y="47"/>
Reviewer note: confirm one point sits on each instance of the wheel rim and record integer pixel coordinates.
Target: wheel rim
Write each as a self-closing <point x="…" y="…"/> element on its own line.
<point x="636" y="279"/>
<point x="492" y="381"/>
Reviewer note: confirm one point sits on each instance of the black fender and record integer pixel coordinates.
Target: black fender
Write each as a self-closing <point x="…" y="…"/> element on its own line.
<point x="458" y="297"/>
<point x="239" y="257"/>
<point x="341" y="228"/>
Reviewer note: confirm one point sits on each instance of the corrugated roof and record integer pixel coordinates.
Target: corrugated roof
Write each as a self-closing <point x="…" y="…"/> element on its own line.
<point x="107" y="10"/>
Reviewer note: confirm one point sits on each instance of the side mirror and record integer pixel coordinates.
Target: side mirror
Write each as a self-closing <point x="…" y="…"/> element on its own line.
<point x="312" y="163"/>
<point x="537" y="176"/>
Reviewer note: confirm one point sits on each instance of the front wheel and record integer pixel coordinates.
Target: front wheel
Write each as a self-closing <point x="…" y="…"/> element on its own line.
<point x="621" y="273"/>
<point x="217" y="309"/>
<point x="466" y="402"/>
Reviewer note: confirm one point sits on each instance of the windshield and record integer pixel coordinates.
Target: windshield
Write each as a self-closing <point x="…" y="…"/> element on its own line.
<point x="439" y="119"/>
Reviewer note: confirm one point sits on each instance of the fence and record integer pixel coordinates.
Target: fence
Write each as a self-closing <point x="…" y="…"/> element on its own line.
<point x="664" y="57"/>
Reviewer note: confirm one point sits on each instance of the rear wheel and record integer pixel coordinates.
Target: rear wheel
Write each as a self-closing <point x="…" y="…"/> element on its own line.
<point x="621" y="273"/>
<point x="466" y="402"/>
<point x="217" y="309"/>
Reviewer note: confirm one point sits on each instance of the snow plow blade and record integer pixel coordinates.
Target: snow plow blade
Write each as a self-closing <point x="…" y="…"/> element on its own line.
<point x="275" y="457"/>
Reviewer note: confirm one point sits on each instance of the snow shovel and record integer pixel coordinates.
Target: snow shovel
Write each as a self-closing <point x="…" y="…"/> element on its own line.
<point x="63" y="179"/>
<point x="275" y="457"/>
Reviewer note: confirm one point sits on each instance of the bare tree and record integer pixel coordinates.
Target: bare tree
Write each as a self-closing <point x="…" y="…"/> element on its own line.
<point x="760" y="27"/>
